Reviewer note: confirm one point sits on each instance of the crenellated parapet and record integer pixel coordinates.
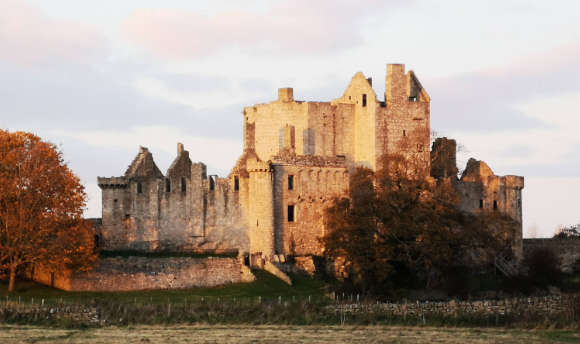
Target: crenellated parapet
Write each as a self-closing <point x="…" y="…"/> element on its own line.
<point x="112" y="182"/>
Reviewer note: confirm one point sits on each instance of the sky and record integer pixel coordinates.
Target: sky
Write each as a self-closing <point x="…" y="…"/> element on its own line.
<point x="101" y="78"/>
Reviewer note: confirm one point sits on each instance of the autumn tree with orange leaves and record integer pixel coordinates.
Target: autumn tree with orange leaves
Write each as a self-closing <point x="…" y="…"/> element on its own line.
<point x="41" y="205"/>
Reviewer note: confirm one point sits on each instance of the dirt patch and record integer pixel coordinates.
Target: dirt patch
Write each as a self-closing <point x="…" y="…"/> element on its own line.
<point x="286" y="334"/>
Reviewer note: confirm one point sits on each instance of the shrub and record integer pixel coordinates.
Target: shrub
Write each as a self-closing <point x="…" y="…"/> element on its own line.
<point x="543" y="266"/>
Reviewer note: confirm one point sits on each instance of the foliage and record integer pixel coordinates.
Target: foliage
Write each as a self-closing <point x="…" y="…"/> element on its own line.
<point x="570" y="232"/>
<point x="400" y="221"/>
<point x="543" y="266"/>
<point x="41" y="204"/>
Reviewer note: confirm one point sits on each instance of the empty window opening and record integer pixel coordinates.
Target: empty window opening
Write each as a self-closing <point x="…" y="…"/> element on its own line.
<point x="404" y="133"/>
<point x="236" y="183"/>
<point x="139" y="188"/>
<point x="494" y="205"/>
<point x="290" y="182"/>
<point x="211" y="183"/>
<point x="96" y="241"/>
<point x="127" y="216"/>
<point x="413" y="99"/>
<point x="115" y="200"/>
<point x="183" y="185"/>
<point x="167" y="185"/>
<point x="349" y="98"/>
<point x="364" y="100"/>
<point x="480" y="204"/>
<point x="291" y="213"/>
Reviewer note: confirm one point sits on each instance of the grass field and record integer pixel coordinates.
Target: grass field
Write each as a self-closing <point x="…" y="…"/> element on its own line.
<point x="282" y="334"/>
<point x="266" y="286"/>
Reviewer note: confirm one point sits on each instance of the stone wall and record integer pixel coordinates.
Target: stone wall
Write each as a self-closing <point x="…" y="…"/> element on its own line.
<point x="567" y="249"/>
<point x="543" y="306"/>
<point x="315" y="182"/>
<point x="141" y="273"/>
<point x="186" y="210"/>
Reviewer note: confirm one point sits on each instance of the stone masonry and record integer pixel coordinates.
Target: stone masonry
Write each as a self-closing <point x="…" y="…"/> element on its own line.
<point x="143" y="273"/>
<point x="297" y="158"/>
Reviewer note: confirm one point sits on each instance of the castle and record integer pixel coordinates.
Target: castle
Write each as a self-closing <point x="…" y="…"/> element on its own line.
<point x="297" y="158"/>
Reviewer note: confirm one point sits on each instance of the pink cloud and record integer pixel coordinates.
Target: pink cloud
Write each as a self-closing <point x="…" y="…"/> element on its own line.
<point x="29" y="36"/>
<point x="312" y="27"/>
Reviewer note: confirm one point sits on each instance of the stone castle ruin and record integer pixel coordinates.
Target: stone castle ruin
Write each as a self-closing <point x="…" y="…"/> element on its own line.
<point x="297" y="158"/>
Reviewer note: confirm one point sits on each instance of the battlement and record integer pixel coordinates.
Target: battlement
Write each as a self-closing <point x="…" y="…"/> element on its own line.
<point x="310" y="160"/>
<point x="112" y="182"/>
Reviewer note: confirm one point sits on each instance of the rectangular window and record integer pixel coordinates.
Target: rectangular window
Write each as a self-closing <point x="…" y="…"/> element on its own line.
<point x="139" y="188"/>
<point x="291" y="213"/>
<point x="290" y="182"/>
<point x="480" y="204"/>
<point x="364" y="100"/>
<point x="183" y="185"/>
<point x="494" y="205"/>
<point x="211" y="183"/>
<point x="236" y="183"/>
<point x="404" y="133"/>
<point x="167" y="185"/>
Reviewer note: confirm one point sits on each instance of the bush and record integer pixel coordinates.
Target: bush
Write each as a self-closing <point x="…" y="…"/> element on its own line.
<point x="543" y="266"/>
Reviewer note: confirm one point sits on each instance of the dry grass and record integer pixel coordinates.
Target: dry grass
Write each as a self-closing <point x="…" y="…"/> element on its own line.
<point x="282" y="334"/>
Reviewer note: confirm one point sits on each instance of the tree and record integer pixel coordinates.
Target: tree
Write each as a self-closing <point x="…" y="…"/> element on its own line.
<point x="41" y="205"/>
<point x="400" y="219"/>
<point x="569" y="232"/>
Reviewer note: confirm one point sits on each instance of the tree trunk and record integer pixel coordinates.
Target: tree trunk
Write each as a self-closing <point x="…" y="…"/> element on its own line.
<point x="12" y="278"/>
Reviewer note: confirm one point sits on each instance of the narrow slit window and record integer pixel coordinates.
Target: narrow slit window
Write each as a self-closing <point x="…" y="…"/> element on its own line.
<point x="139" y="188"/>
<point x="211" y="183"/>
<point x="494" y="205"/>
<point x="480" y="204"/>
<point x="290" y="182"/>
<point x="167" y="185"/>
<point x="236" y="183"/>
<point x="291" y="213"/>
<point x="364" y="100"/>
<point x="404" y="133"/>
<point x="183" y="185"/>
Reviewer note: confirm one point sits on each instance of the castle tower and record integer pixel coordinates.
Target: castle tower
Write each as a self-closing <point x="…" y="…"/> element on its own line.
<point x="261" y="208"/>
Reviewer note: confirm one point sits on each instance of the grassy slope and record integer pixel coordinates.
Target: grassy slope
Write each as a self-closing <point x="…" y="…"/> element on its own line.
<point x="266" y="286"/>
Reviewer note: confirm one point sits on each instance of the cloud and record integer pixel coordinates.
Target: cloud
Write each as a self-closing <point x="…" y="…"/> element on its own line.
<point x="555" y="203"/>
<point x="30" y="37"/>
<point x="549" y="150"/>
<point x="288" y="28"/>
<point x="217" y="153"/>
<point x="488" y="100"/>
<point x="196" y="96"/>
